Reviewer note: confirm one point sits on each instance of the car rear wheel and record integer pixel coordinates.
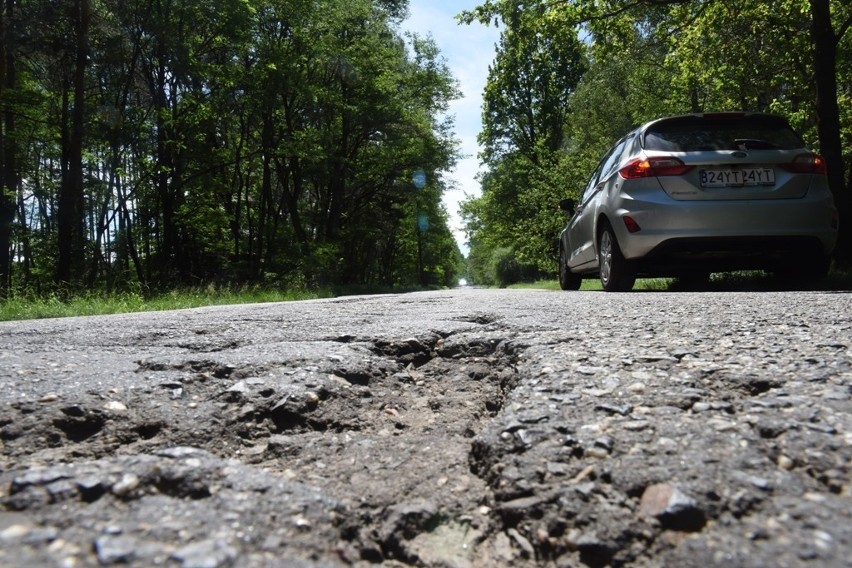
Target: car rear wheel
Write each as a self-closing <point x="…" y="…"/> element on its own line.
<point x="567" y="279"/>
<point x="617" y="274"/>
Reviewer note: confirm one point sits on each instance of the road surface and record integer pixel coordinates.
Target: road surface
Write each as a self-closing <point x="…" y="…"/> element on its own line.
<point x="463" y="428"/>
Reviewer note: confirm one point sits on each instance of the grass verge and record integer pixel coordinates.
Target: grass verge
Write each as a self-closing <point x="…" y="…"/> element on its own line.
<point x="593" y="284"/>
<point x="837" y="280"/>
<point x="29" y="307"/>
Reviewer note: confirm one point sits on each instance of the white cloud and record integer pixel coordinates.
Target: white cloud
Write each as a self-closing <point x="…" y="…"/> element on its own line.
<point x="468" y="50"/>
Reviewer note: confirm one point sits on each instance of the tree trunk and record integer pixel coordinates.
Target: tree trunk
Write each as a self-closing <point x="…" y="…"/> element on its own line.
<point x="8" y="168"/>
<point x="291" y="175"/>
<point x="825" y="42"/>
<point x="130" y="241"/>
<point x="71" y="210"/>
<point x="265" y="208"/>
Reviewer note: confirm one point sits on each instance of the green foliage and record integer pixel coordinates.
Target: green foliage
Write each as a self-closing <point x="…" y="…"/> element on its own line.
<point x="538" y="64"/>
<point x="638" y="60"/>
<point x="508" y="269"/>
<point x="512" y="227"/>
<point x="233" y="141"/>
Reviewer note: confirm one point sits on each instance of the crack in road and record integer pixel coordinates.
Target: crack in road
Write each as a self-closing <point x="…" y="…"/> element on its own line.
<point x="384" y="427"/>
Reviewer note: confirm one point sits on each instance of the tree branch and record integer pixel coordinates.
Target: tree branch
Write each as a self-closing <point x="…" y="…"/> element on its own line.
<point x="841" y="31"/>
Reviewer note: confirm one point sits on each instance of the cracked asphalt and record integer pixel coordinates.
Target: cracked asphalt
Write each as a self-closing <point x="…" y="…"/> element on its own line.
<point x="463" y="428"/>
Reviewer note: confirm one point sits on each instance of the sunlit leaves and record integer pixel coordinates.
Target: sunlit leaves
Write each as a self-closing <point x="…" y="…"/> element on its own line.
<point x="538" y="64"/>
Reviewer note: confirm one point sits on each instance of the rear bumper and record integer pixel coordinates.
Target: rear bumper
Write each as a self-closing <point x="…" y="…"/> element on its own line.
<point x="712" y="254"/>
<point x="717" y="236"/>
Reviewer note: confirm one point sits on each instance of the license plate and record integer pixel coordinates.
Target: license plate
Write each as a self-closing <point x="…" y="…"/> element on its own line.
<point x="737" y="178"/>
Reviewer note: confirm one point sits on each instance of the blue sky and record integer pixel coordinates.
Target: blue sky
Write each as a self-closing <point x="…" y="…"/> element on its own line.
<point x="468" y="51"/>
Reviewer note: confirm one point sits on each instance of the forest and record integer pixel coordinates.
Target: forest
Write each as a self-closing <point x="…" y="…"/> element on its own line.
<point x="570" y="77"/>
<point x="152" y="145"/>
<point x="149" y="145"/>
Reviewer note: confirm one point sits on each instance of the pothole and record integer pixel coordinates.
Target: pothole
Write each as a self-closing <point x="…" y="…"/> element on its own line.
<point x="80" y="424"/>
<point x="385" y="427"/>
<point x="393" y="444"/>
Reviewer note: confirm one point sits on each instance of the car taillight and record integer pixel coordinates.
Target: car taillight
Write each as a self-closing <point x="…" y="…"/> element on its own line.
<point x="639" y="168"/>
<point x="807" y="164"/>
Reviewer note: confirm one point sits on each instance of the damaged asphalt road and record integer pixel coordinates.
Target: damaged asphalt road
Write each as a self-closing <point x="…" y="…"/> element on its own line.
<point x="464" y="428"/>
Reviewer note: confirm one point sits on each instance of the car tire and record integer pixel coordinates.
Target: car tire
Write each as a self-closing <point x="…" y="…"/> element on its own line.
<point x="616" y="273"/>
<point x="567" y="279"/>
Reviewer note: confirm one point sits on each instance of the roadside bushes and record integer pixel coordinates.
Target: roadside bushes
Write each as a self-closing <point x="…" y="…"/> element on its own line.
<point x="500" y="267"/>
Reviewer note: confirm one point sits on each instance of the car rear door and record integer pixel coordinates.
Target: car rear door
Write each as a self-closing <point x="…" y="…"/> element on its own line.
<point x="583" y="228"/>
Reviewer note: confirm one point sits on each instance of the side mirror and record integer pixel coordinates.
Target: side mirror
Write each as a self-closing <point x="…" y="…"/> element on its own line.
<point x="567" y="205"/>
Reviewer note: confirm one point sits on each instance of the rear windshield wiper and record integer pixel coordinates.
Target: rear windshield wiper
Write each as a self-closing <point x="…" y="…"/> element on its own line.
<point x="754" y="144"/>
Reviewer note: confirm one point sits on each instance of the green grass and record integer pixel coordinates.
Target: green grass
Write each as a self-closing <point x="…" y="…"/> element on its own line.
<point x="735" y="281"/>
<point x="29" y="307"/>
<point x="595" y="284"/>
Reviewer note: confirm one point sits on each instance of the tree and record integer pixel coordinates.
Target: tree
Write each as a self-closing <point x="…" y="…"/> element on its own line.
<point x="9" y="176"/>
<point x="776" y="66"/>
<point x="179" y="142"/>
<point x="826" y="37"/>
<point x="71" y="235"/>
<point x="538" y="66"/>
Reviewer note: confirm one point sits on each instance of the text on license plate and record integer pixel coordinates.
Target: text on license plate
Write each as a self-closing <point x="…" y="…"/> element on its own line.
<point x="734" y="178"/>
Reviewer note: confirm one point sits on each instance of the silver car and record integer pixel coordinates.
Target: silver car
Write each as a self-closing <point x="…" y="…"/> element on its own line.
<point x="687" y="196"/>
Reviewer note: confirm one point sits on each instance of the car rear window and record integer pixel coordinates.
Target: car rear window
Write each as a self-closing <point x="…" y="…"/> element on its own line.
<point x="696" y="133"/>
